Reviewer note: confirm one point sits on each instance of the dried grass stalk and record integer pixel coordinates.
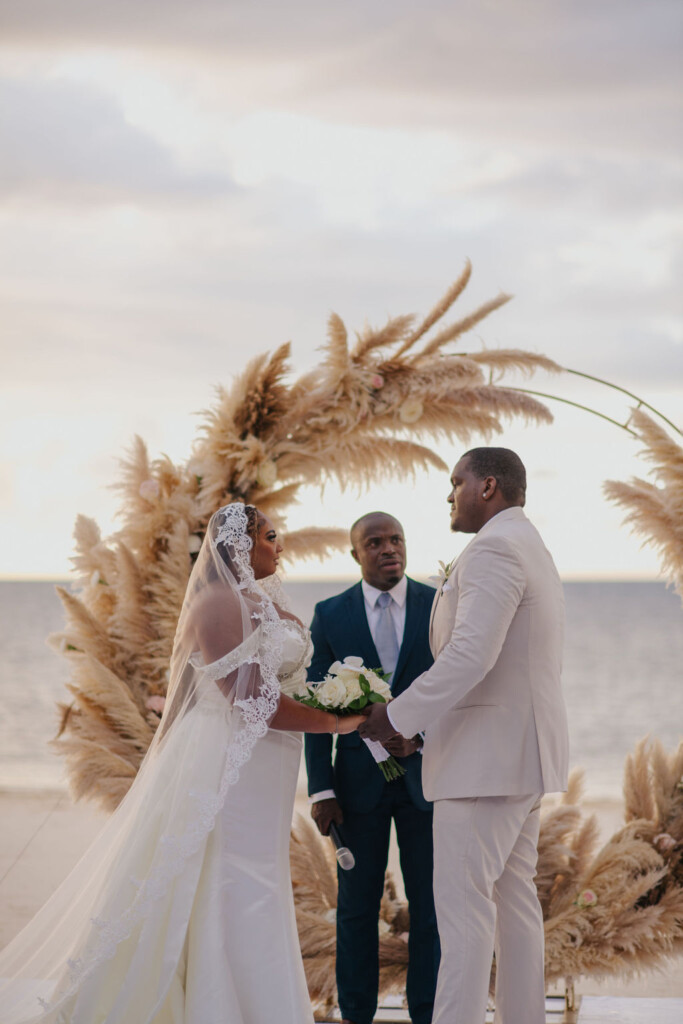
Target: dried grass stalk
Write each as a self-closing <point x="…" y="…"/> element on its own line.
<point x="394" y="331"/>
<point x="264" y="394"/>
<point x="655" y="511"/>
<point x="83" y="632"/>
<point x="638" y="798"/>
<point x="504" y="359"/>
<point x="461" y="327"/>
<point x="440" y="309"/>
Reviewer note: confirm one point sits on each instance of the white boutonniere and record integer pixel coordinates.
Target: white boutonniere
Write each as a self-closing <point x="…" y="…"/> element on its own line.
<point x="445" y="569"/>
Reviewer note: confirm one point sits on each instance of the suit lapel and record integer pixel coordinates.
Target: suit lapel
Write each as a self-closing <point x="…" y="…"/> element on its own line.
<point x="414" y="601"/>
<point x="437" y="597"/>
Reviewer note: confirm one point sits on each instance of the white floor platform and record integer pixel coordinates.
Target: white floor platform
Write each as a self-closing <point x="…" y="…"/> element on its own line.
<point x="610" y="1010"/>
<point x="391" y="1012"/>
<point x="592" y="1010"/>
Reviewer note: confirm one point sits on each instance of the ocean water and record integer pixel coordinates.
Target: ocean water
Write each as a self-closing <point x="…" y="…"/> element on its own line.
<point x="623" y="675"/>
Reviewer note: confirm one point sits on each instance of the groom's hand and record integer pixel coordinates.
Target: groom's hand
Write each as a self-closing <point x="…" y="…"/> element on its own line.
<point x="377" y="725"/>
<point x="324" y="812"/>
<point x="399" y="746"/>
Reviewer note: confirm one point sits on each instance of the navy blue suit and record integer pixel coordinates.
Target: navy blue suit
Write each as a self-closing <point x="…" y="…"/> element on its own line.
<point x="339" y="629"/>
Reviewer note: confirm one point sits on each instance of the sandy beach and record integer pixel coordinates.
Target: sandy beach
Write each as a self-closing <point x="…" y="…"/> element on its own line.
<point x="44" y="833"/>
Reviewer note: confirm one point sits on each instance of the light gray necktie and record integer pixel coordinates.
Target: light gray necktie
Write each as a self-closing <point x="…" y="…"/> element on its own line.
<point x="385" y="634"/>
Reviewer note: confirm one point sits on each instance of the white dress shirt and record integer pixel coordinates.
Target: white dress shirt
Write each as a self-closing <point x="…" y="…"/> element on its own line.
<point x="372" y="612"/>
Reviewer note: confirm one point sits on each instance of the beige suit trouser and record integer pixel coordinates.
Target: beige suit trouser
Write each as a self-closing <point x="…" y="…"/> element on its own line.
<point x="484" y="866"/>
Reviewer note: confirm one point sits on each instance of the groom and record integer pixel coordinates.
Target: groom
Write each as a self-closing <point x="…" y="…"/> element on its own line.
<point x="495" y="740"/>
<point x="385" y="620"/>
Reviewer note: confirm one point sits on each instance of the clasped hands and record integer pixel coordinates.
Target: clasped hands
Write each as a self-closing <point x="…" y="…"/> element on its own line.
<point x="377" y="726"/>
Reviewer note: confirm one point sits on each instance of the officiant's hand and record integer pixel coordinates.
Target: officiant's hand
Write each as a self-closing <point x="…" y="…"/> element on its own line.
<point x="399" y="746"/>
<point x="377" y="725"/>
<point x="324" y="812"/>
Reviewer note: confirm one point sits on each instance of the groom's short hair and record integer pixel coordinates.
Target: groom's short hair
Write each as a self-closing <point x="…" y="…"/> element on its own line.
<point x="503" y="464"/>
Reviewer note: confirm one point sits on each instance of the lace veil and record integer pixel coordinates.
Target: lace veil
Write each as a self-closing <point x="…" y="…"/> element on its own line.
<point x="109" y="936"/>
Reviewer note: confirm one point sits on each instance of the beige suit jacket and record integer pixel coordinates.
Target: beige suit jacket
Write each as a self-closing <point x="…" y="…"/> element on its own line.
<point x="491" y="706"/>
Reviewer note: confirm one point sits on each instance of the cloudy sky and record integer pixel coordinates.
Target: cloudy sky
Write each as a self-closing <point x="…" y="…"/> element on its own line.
<point x="184" y="184"/>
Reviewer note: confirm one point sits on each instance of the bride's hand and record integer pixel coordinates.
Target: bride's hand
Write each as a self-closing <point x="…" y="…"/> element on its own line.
<point x="349" y="723"/>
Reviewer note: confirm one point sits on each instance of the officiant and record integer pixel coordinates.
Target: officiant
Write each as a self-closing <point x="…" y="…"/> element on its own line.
<point x="384" y="619"/>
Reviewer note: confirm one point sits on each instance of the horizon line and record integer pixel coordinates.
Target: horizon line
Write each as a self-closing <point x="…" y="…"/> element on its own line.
<point x="568" y="577"/>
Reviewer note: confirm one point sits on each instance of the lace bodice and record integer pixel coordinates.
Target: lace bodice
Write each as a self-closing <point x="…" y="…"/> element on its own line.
<point x="297" y="651"/>
<point x="296" y="657"/>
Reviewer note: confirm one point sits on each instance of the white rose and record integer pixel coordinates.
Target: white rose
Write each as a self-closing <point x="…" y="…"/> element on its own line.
<point x="411" y="410"/>
<point x="149" y="490"/>
<point x="352" y="661"/>
<point x="379" y="685"/>
<point x="195" y="467"/>
<point x="353" y="692"/>
<point x="346" y="677"/>
<point x="267" y="473"/>
<point x="331" y="693"/>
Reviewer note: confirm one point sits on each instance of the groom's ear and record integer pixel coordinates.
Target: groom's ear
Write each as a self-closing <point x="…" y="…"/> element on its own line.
<point x="490" y="487"/>
<point x="354" y="556"/>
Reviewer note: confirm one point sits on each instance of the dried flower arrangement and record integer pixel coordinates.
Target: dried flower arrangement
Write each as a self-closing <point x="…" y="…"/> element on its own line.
<point x="613" y="913"/>
<point x="622" y="912"/>
<point x="354" y="417"/>
<point x="360" y="414"/>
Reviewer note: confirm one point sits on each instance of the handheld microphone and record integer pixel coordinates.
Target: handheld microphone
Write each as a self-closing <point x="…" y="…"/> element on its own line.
<point x="345" y="858"/>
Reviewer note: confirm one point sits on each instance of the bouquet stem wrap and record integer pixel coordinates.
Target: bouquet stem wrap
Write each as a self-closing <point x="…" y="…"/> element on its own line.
<point x="387" y="763"/>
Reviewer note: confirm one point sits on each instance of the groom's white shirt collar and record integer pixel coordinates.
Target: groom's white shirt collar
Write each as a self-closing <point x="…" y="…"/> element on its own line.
<point x="399" y="592"/>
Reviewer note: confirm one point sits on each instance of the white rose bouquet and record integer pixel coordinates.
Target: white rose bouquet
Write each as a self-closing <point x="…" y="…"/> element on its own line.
<point x="347" y="688"/>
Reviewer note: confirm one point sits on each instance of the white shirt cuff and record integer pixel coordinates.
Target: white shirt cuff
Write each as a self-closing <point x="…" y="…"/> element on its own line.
<point x="389" y="716"/>
<point x="324" y="794"/>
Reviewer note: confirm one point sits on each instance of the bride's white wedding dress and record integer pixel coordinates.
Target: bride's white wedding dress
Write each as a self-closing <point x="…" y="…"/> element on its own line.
<point x="241" y="963"/>
<point x="181" y="911"/>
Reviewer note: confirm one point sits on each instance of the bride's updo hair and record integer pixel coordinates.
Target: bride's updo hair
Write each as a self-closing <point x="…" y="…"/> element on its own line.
<point x="253" y="523"/>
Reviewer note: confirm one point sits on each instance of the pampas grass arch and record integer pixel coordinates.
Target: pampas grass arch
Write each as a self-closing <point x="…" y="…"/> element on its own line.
<point x="365" y="411"/>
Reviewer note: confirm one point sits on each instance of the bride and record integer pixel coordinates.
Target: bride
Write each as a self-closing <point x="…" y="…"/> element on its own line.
<point x="181" y="911"/>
